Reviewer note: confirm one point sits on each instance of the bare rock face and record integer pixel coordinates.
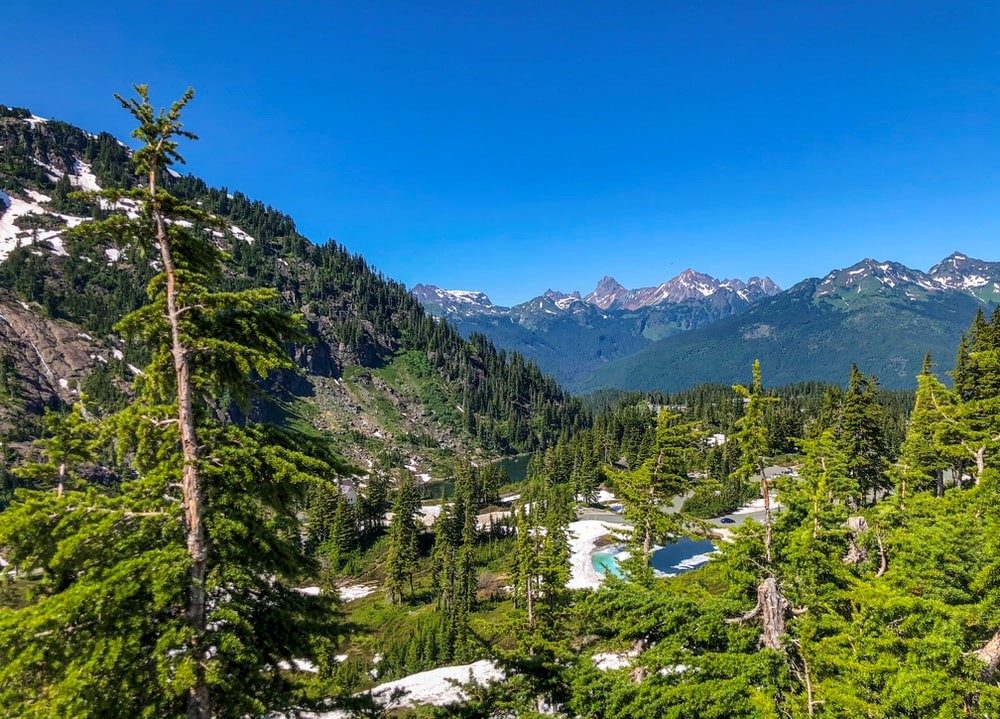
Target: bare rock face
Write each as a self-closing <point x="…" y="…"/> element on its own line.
<point x="48" y="357"/>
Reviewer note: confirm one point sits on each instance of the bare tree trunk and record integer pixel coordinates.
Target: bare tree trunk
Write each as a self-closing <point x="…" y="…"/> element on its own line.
<point x="765" y="491"/>
<point x="62" y="479"/>
<point x="883" y="557"/>
<point x="531" y="606"/>
<point x="199" y="705"/>
<point x="980" y="463"/>
<point x="773" y="609"/>
<point x="989" y="654"/>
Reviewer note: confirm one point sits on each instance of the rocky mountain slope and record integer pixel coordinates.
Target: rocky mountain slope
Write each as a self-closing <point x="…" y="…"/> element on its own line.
<point x="571" y="336"/>
<point x="381" y="380"/>
<point x="883" y="315"/>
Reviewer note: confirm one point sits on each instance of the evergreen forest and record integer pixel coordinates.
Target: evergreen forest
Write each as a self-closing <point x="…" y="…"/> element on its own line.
<point x="198" y="529"/>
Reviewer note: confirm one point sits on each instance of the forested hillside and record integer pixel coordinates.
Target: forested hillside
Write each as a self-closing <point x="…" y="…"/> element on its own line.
<point x="213" y="503"/>
<point x="374" y="360"/>
<point x="816" y="329"/>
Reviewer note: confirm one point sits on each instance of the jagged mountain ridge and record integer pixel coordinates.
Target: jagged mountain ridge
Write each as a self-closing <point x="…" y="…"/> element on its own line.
<point x="570" y="335"/>
<point x="883" y="315"/>
<point x="380" y="371"/>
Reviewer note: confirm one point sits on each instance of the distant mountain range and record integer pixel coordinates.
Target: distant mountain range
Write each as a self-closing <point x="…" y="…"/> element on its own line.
<point x="693" y="328"/>
<point x="571" y="336"/>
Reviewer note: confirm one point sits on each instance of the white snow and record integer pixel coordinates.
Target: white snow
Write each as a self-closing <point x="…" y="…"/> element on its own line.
<point x="63" y="383"/>
<point x="172" y="172"/>
<point x="11" y="234"/>
<point x="436" y="687"/>
<point x="112" y="254"/>
<point x="610" y="661"/>
<point x="301" y="665"/>
<point x="240" y="234"/>
<point x="582" y="538"/>
<point x="83" y="177"/>
<point x="756" y="505"/>
<point x="309" y="591"/>
<point x="604" y="496"/>
<point x="692" y="562"/>
<point x="117" y="353"/>
<point x="35" y="119"/>
<point x="350" y="592"/>
<point x="429" y="513"/>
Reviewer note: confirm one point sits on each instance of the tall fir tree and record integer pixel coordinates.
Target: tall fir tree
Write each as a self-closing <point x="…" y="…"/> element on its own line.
<point x="170" y="597"/>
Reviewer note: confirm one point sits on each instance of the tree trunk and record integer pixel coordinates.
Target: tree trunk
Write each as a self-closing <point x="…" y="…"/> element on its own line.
<point x="767" y="514"/>
<point x="989" y="654"/>
<point x="199" y="705"/>
<point x="531" y="605"/>
<point x="774" y="611"/>
<point x="883" y="557"/>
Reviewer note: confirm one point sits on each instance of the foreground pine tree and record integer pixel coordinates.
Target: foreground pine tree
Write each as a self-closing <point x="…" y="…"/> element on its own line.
<point x="170" y="597"/>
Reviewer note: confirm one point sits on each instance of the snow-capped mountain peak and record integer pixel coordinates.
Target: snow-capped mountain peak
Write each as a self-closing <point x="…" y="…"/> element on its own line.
<point x="957" y="272"/>
<point x="689" y="285"/>
<point x="465" y="297"/>
<point x="607" y="292"/>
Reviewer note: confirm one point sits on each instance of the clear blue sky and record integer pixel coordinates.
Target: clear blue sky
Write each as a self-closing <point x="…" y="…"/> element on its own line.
<point x="514" y="146"/>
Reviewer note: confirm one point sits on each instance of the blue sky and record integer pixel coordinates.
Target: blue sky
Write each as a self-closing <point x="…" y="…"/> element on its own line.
<point x="516" y="146"/>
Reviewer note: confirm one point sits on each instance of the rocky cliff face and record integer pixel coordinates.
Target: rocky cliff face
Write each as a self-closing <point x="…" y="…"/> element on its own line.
<point x="47" y="359"/>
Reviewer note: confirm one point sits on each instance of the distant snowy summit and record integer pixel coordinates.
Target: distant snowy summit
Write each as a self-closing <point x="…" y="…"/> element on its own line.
<point x="688" y="285"/>
<point x="608" y="296"/>
<point x="443" y="302"/>
<point x="955" y="273"/>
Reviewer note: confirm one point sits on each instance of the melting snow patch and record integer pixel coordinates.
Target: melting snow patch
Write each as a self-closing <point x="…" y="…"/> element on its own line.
<point x="300" y="665"/>
<point x="437" y="687"/>
<point x="611" y="661"/>
<point x="240" y="234"/>
<point x="84" y="177"/>
<point x="692" y="562"/>
<point x="350" y="592"/>
<point x="582" y="538"/>
<point x="309" y="591"/>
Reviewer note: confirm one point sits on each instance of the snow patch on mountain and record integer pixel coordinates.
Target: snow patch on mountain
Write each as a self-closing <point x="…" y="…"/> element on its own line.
<point x="13" y="236"/>
<point x="83" y="177"/>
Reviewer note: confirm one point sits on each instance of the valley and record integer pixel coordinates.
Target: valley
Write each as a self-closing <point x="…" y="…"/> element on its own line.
<point x="246" y="475"/>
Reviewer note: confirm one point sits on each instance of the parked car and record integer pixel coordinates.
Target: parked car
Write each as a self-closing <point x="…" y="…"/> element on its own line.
<point x="728" y="520"/>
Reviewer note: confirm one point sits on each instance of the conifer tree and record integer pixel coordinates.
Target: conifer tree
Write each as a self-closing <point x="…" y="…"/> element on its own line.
<point x="752" y="439"/>
<point x="170" y="597"/>
<point x="922" y="460"/>
<point x="343" y="534"/>
<point x="402" y="557"/>
<point x="68" y="443"/>
<point x="862" y="435"/>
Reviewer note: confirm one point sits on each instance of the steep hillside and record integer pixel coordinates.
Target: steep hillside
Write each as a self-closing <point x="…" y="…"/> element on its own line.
<point x="881" y="315"/>
<point x="380" y="378"/>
